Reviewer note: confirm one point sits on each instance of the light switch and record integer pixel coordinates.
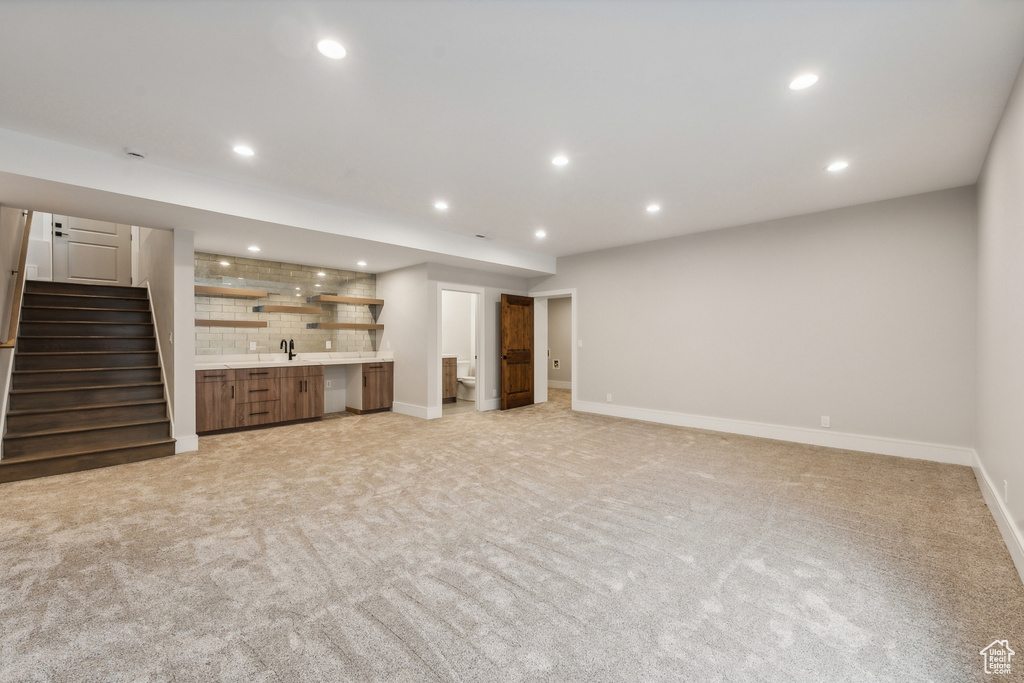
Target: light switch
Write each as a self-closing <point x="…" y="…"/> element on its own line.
<point x="579" y="343"/>
<point x="252" y="346"/>
<point x="328" y="343"/>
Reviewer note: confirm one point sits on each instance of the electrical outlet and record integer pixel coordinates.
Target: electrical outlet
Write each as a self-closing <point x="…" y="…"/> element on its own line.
<point x="556" y="364"/>
<point x="328" y="343"/>
<point x="608" y="398"/>
<point x="252" y="346"/>
<point x="494" y="393"/>
<point x="826" y="421"/>
<point x="327" y="384"/>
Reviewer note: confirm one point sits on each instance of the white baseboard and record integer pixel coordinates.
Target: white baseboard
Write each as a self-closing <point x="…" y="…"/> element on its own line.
<point x="555" y="384"/>
<point x="413" y="410"/>
<point x="953" y="455"/>
<point x="1011" y="533"/>
<point x="490" y="404"/>
<point x="186" y="444"/>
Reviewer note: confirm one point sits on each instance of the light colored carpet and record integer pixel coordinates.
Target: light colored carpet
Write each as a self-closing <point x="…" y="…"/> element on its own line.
<point x="535" y="544"/>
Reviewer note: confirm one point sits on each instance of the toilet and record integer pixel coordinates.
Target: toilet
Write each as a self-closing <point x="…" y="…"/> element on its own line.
<point x="466" y="390"/>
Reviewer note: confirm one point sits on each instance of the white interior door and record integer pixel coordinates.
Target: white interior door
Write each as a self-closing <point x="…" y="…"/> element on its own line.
<point x="91" y="252"/>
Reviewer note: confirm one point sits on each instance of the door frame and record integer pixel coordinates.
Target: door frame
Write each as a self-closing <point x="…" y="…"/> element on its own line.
<point x="540" y="342"/>
<point x="435" y="407"/>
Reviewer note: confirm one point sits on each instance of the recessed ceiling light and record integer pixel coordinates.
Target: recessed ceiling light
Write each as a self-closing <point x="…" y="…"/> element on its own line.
<point x="318" y="285"/>
<point x="244" y="150"/>
<point x="803" y="81"/>
<point x="331" y="48"/>
<point x="361" y="264"/>
<point x="541" y="233"/>
<point x="298" y="295"/>
<point x="653" y="208"/>
<point x="321" y="274"/>
<point x="441" y="205"/>
<point x="837" y="166"/>
<point x="254" y="248"/>
<point x="225" y="263"/>
<point x="560" y="160"/>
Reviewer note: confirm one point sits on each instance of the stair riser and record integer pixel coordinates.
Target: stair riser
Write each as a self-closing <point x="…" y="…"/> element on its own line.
<point x="68" y="344"/>
<point x="20" y="424"/>
<point x="83" y="397"/>
<point x="85" y="302"/>
<point x="56" y="444"/>
<point x="84" y="378"/>
<point x="104" y="315"/>
<point x="17" y="471"/>
<point x="41" y="286"/>
<point x="93" y="360"/>
<point x="62" y="329"/>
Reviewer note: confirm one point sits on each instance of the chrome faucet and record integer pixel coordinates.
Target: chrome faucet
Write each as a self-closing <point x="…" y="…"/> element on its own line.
<point x="289" y="346"/>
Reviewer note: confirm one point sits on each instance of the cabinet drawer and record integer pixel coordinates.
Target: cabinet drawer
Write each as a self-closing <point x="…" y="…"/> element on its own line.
<point x="215" y="375"/>
<point x="259" y="413"/>
<point x="302" y="371"/>
<point x="257" y="373"/>
<point x="252" y="390"/>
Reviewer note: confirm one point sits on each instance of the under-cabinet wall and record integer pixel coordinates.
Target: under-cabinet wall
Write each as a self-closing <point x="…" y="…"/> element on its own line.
<point x="286" y="284"/>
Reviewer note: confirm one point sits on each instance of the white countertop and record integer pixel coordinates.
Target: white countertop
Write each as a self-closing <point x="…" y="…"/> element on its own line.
<point x="277" y="360"/>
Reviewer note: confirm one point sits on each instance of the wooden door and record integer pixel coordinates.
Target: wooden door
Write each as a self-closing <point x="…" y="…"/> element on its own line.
<point x="91" y="252"/>
<point x="516" y="351"/>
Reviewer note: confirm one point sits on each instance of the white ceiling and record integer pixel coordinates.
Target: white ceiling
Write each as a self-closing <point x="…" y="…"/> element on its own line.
<point x="684" y="103"/>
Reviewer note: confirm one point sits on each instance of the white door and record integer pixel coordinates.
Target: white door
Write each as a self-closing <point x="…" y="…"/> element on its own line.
<point x="91" y="252"/>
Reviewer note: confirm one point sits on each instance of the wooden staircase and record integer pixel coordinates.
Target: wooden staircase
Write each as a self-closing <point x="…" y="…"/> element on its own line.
<point x="86" y="390"/>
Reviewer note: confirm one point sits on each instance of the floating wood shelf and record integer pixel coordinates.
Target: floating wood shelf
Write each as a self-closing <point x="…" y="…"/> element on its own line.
<point x="344" y="326"/>
<point x="312" y="310"/>
<point x="231" y="323"/>
<point x="231" y="291"/>
<point x="332" y="299"/>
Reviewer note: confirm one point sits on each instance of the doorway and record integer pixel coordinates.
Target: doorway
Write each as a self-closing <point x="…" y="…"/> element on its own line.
<point x="555" y="339"/>
<point x="70" y="249"/>
<point x="460" y="355"/>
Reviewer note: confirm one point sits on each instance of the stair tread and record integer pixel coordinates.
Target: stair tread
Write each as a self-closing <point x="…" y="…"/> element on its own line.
<point x="80" y="353"/>
<point x="93" y="406"/>
<point x="84" y="428"/>
<point x="51" y="371"/>
<point x="81" y="323"/>
<point x="43" y="390"/>
<point x="37" y="457"/>
<point x="91" y="295"/>
<point x="77" y="308"/>
<point x="82" y="336"/>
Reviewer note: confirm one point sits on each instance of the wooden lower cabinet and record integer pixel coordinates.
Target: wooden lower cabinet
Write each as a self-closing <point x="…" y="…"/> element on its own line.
<point x="371" y="390"/>
<point x="249" y="397"/>
<point x="215" y="400"/>
<point x="302" y="393"/>
<point x="449" y="379"/>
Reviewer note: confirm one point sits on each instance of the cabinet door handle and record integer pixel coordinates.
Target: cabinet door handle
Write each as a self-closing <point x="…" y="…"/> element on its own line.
<point x="265" y="412"/>
<point x="300" y="386"/>
<point x="364" y="380"/>
<point x="232" y="391"/>
<point x="256" y="391"/>
<point x="306" y="383"/>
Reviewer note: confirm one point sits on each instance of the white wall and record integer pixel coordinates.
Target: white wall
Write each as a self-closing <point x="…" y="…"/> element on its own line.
<point x="166" y="264"/>
<point x="1000" y="361"/>
<point x="560" y="342"/>
<point x="407" y="334"/>
<point x="458" y="325"/>
<point x="864" y="314"/>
